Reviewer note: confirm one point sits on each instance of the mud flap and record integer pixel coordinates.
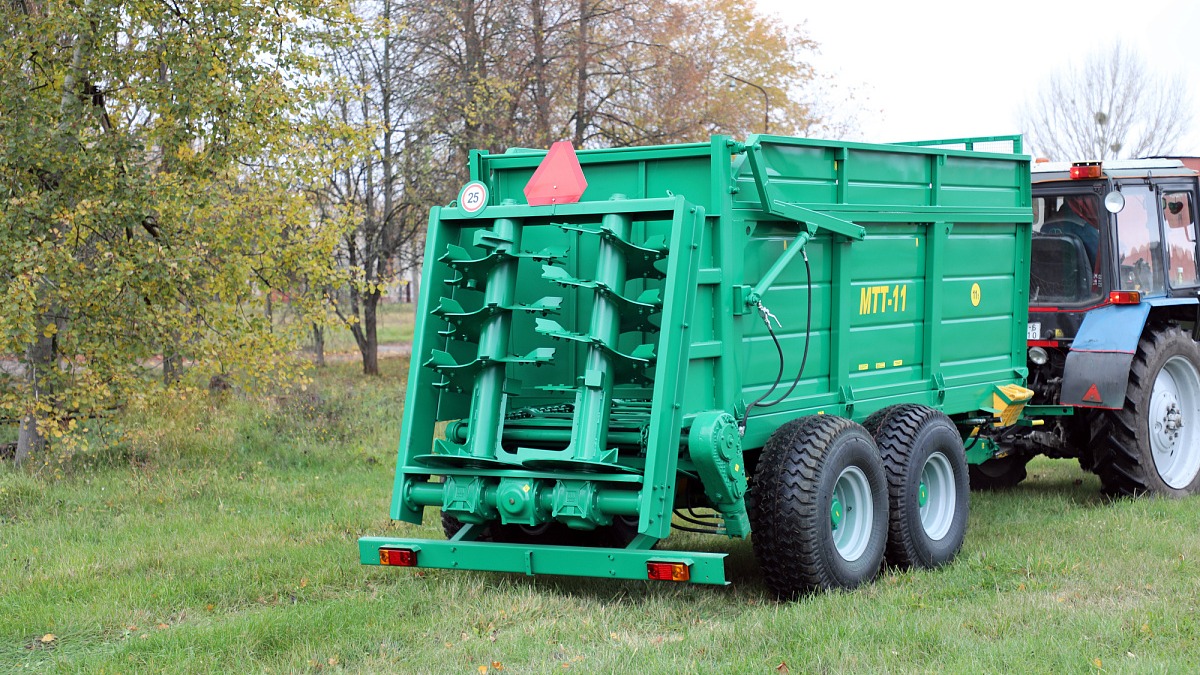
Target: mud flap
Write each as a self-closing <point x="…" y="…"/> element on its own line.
<point x="1097" y="369"/>
<point x="1096" y="379"/>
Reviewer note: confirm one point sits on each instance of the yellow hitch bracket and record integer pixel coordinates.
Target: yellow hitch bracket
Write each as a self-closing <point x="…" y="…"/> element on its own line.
<point x="1008" y="401"/>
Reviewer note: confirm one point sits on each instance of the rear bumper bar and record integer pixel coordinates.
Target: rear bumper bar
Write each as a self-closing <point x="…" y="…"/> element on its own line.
<point x="607" y="563"/>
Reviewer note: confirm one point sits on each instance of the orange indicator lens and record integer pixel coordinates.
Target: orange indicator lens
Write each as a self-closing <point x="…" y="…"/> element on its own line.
<point x="667" y="571"/>
<point x="398" y="557"/>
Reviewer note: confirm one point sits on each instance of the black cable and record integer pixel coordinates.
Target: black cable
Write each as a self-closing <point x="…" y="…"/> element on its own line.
<point x="692" y="512"/>
<point x="803" y="361"/>
<point x="694" y="520"/>
<point x="778" y="377"/>
<point x="682" y="528"/>
<point x="974" y="438"/>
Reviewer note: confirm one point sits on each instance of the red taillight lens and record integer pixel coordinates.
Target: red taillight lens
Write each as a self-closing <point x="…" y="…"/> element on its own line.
<point x="398" y="557"/>
<point x="1125" y="297"/>
<point x="668" y="571"/>
<point x="1085" y="170"/>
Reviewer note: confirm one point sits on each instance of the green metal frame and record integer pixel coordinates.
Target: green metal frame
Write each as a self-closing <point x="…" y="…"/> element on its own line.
<point x="705" y="568"/>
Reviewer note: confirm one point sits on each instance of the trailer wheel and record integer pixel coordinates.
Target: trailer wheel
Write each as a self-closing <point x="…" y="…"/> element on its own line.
<point x="927" y="484"/>
<point x="1152" y="445"/>
<point x="820" y="507"/>
<point x="998" y="474"/>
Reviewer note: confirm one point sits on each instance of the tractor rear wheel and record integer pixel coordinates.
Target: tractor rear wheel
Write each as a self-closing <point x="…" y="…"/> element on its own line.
<point x="1152" y="445"/>
<point x="820" y="510"/>
<point x="927" y="484"/>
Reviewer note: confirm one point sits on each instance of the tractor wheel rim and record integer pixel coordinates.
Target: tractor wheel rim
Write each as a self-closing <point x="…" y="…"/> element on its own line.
<point x="852" y="534"/>
<point x="940" y="496"/>
<point x="1174" y="421"/>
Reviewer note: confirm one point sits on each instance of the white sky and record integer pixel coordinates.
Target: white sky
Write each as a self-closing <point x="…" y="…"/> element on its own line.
<point x="929" y="69"/>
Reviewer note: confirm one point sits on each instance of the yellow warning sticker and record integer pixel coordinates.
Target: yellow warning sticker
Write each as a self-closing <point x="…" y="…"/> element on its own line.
<point x="863" y="366"/>
<point x="976" y="295"/>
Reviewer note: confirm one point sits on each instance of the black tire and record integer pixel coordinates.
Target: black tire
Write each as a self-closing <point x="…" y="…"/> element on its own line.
<point x="802" y="466"/>
<point x="451" y="526"/>
<point x="998" y="474"/>
<point x="924" y="459"/>
<point x="1152" y="445"/>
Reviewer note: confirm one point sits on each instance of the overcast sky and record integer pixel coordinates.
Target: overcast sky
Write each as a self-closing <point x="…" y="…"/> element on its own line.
<point x="939" y="69"/>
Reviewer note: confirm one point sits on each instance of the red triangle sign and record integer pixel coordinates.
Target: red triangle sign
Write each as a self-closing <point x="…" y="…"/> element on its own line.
<point x="558" y="179"/>
<point x="1093" y="395"/>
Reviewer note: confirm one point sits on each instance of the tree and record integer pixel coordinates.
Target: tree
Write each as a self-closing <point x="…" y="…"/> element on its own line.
<point x="380" y="165"/>
<point x="424" y="82"/>
<point x="697" y="68"/>
<point x="148" y="154"/>
<point x="1111" y="107"/>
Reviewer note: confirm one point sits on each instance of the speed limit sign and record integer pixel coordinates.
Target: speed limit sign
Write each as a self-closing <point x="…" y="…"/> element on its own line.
<point x="473" y="198"/>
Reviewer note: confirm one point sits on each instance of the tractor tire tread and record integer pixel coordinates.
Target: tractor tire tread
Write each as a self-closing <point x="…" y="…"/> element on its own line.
<point x="785" y="518"/>
<point x="1123" y="469"/>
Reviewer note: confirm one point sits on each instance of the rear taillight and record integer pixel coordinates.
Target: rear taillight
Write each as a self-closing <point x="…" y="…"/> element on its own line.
<point x="1125" y="297"/>
<point x="668" y="571"/>
<point x="398" y="557"/>
<point x="1081" y="170"/>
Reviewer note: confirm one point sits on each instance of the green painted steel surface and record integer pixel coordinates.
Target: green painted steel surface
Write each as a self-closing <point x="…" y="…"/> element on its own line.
<point x="704" y="568"/>
<point x="571" y="346"/>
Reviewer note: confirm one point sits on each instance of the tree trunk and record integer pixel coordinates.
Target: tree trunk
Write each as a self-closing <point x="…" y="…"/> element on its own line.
<point x="172" y="360"/>
<point x="541" y="94"/>
<point x="369" y="345"/>
<point x="581" y="73"/>
<point x="39" y="359"/>
<point x="474" y="72"/>
<point x="318" y="345"/>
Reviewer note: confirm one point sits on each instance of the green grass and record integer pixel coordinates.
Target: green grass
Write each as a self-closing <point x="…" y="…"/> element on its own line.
<point x="394" y="324"/>
<point x="222" y="538"/>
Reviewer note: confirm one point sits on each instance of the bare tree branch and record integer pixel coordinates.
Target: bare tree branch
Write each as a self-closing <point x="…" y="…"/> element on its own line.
<point x="1112" y="106"/>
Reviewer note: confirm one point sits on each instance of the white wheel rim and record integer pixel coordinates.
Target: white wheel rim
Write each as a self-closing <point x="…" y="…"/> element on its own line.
<point x="853" y="533"/>
<point x="1174" y="414"/>
<point x="937" y="496"/>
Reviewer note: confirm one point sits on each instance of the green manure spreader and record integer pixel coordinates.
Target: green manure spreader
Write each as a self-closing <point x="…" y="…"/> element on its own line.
<point x="789" y="338"/>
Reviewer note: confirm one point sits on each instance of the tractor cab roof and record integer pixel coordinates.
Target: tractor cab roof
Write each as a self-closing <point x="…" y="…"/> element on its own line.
<point x="1047" y="172"/>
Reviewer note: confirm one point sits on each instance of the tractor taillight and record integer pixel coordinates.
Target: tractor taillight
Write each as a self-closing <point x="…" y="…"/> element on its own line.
<point x="668" y="571"/>
<point x="1124" y="297"/>
<point x="398" y="557"/>
<point x="1085" y="170"/>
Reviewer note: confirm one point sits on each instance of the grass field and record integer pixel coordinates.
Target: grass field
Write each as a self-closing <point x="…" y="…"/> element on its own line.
<point x="221" y="537"/>
<point x="394" y="324"/>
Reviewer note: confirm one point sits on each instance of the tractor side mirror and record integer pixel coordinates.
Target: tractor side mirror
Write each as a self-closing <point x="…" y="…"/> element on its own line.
<point x="1114" y="202"/>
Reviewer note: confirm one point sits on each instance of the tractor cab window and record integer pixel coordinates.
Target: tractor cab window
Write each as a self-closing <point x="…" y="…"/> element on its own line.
<point x="1139" y="246"/>
<point x="1066" y="249"/>
<point x="1180" y="233"/>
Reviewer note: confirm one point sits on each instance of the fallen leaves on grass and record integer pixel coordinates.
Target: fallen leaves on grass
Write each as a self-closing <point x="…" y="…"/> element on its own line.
<point x="47" y="641"/>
